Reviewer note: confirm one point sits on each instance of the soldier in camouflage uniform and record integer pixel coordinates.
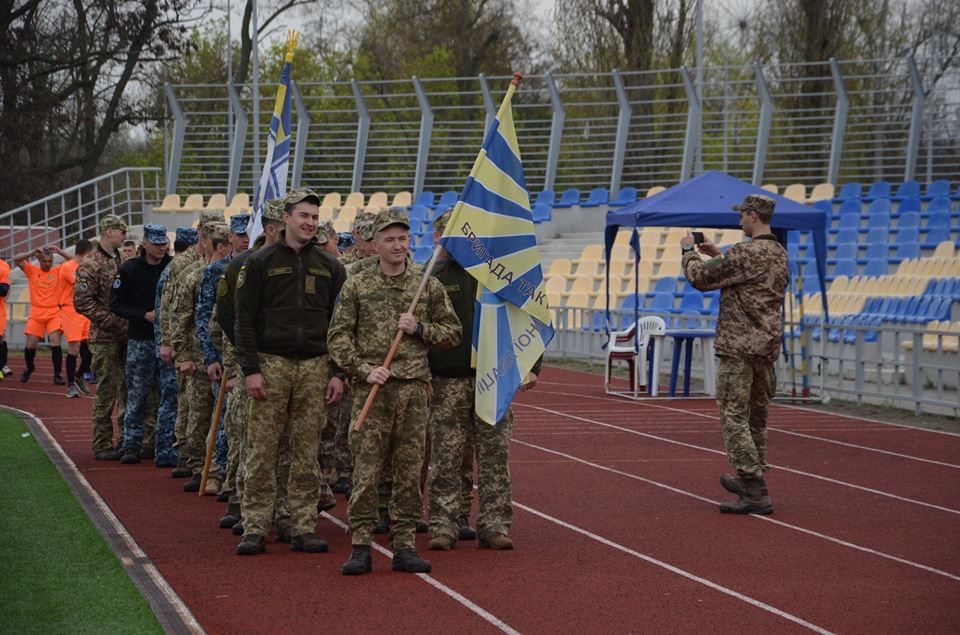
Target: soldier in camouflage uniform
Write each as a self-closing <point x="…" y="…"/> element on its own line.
<point x="108" y="332"/>
<point x="363" y="239"/>
<point x="395" y="428"/>
<point x="285" y="295"/>
<point x="752" y="278"/>
<point x="133" y="297"/>
<point x="165" y="453"/>
<point x="186" y="350"/>
<point x="455" y="428"/>
<point x="183" y="262"/>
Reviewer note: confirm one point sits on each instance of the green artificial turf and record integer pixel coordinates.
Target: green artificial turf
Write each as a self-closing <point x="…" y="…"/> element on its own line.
<point x="57" y="574"/>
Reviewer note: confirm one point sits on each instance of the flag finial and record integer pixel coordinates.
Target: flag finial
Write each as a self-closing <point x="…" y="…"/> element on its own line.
<point x="293" y="38"/>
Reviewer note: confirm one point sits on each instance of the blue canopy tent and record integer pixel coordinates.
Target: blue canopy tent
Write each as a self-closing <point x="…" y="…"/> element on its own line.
<point x="706" y="201"/>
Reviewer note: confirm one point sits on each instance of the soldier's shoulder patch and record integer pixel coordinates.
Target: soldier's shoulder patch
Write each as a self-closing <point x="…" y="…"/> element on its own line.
<point x="451" y="287"/>
<point x="279" y="271"/>
<point x="222" y="287"/>
<point x="81" y="286"/>
<point x="116" y="282"/>
<point x="318" y="271"/>
<point x="242" y="276"/>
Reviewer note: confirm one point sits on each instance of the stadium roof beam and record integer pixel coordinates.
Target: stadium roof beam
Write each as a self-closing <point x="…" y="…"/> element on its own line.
<point x="303" y="133"/>
<point x="916" y="120"/>
<point x="426" y="133"/>
<point x="763" y="130"/>
<point x="839" y="123"/>
<point x="556" y="131"/>
<point x="363" y="135"/>
<point x="623" y="130"/>
<point x="179" y="129"/>
<point x="691" y="139"/>
<point x="238" y="141"/>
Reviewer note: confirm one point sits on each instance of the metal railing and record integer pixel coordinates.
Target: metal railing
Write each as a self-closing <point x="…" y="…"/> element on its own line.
<point x="75" y="212"/>
<point x="835" y="121"/>
<point x="865" y="364"/>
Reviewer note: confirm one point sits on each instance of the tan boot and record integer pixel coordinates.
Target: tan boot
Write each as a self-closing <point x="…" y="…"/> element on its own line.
<point x="755" y="499"/>
<point x="733" y="484"/>
<point x="213" y="486"/>
<point x="496" y="541"/>
<point x="442" y="542"/>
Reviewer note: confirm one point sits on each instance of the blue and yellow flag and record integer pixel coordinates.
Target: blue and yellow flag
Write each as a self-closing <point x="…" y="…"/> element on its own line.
<point x="273" y="179"/>
<point x="491" y="235"/>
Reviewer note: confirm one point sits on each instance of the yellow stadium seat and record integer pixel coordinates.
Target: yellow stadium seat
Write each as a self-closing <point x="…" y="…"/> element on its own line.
<point x="656" y="189"/>
<point x="650" y="237"/>
<point x="621" y="252"/>
<point x="402" y="199"/>
<point x="326" y="212"/>
<point x="600" y="303"/>
<point x="821" y="192"/>
<point x="907" y="267"/>
<point x="194" y="203"/>
<point x="576" y="301"/>
<point x="669" y="268"/>
<point x="944" y="250"/>
<point x="372" y="209"/>
<point x="771" y="187"/>
<point x="378" y="199"/>
<point x="559" y="267"/>
<point x="588" y="268"/>
<point x="217" y="201"/>
<point x="617" y="268"/>
<point x="796" y="192"/>
<point x="730" y="237"/>
<point x="630" y="285"/>
<point x="340" y="225"/>
<point x="645" y="268"/>
<point x="623" y="237"/>
<point x="555" y="284"/>
<point x="582" y="284"/>
<point x="347" y="213"/>
<point x="553" y="298"/>
<point x="241" y="200"/>
<point x="171" y="203"/>
<point x="839" y="284"/>
<point x="355" y="200"/>
<point x="593" y="251"/>
<point x="332" y="199"/>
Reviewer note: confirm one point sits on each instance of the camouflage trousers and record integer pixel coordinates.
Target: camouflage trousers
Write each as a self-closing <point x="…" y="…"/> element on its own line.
<point x="236" y="423"/>
<point x="744" y="389"/>
<point x="454" y="429"/>
<point x="183" y="414"/>
<point x="220" y="449"/>
<point x="294" y="408"/>
<point x="166" y="455"/>
<point x="142" y="374"/>
<point x="341" y="445"/>
<point x="327" y="454"/>
<point x="394" y="431"/>
<point x="200" y="396"/>
<point x="108" y="362"/>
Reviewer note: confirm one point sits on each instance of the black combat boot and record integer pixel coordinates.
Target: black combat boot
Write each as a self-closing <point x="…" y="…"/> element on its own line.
<point x="408" y="561"/>
<point x="308" y="543"/>
<point x="193" y="485"/>
<point x="360" y="562"/>
<point x="231" y="518"/>
<point x="383" y="525"/>
<point x="755" y="499"/>
<point x="466" y="531"/>
<point x="733" y="484"/>
<point x="251" y="545"/>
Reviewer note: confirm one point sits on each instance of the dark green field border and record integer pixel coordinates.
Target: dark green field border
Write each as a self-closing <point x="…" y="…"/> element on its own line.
<point x="171" y="611"/>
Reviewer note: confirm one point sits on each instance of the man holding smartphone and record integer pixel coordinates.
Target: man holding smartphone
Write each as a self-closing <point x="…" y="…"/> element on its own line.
<point x="752" y="278"/>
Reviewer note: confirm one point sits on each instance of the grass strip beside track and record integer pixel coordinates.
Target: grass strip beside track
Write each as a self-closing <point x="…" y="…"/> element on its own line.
<point x="58" y="573"/>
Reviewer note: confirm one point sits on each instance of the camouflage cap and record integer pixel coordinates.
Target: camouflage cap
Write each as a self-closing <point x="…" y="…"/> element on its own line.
<point x="440" y="222"/>
<point x="273" y="209"/>
<point x="155" y="234"/>
<point x="363" y="224"/>
<point x="238" y="223"/>
<point x="325" y="231"/>
<point x="392" y="216"/>
<point x="210" y="216"/>
<point x="112" y="221"/>
<point x="216" y="230"/>
<point x="757" y="203"/>
<point x="187" y="235"/>
<point x="302" y="194"/>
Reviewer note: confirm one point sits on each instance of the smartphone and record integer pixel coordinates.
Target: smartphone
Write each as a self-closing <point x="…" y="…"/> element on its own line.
<point x="697" y="238"/>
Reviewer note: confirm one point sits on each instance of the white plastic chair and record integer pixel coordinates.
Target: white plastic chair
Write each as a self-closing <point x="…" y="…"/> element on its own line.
<point x="621" y="347"/>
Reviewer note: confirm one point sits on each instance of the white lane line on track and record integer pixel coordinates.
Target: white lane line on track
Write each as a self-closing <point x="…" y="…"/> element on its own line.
<point x="721" y="452"/>
<point x="173" y="599"/>
<point x="886" y="423"/>
<point x="440" y="586"/>
<point x="863" y="447"/>
<point x="768" y="519"/>
<point x="676" y="570"/>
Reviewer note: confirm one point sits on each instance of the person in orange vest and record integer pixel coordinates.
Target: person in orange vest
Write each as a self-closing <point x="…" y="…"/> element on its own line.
<point x="44" y="319"/>
<point x="4" y="292"/>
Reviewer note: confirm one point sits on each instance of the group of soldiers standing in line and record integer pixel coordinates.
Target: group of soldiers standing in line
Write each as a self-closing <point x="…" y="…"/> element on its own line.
<point x="297" y="332"/>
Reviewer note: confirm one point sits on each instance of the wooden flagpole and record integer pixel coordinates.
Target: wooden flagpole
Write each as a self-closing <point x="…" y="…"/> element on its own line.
<point x="212" y="437"/>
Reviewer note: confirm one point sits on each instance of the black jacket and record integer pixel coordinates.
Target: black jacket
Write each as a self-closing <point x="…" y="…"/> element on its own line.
<point x="134" y="293"/>
<point x="284" y="303"/>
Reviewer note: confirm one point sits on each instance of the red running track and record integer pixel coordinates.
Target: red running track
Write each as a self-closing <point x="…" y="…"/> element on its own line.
<point x="616" y="528"/>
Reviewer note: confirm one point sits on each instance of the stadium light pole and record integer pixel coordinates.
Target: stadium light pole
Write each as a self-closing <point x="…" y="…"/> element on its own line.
<point x="256" y="101"/>
<point x="229" y="76"/>
<point x="699" y="78"/>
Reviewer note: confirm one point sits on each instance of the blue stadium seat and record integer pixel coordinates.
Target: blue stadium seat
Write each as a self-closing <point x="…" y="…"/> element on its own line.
<point x="909" y="220"/>
<point x="846" y="251"/>
<point x="691" y="303"/>
<point x="849" y="220"/>
<point x="626" y="196"/>
<point x="909" y="205"/>
<point x="425" y="199"/>
<point x="811" y="284"/>
<point x="905" y="251"/>
<point x="937" y="189"/>
<point x="569" y="198"/>
<point x="908" y="235"/>
<point x="824" y="205"/>
<point x="850" y="207"/>
<point x="879" y="189"/>
<point x="542" y="213"/>
<point x="418" y="215"/>
<point x="880" y="219"/>
<point x="793" y="251"/>
<point x="874" y="268"/>
<point x="879" y="206"/>
<point x="848" y="235"/>
<point x="941" y="204"/>
<point x="810" y="268"/>
<point x="907" y="189"/>
<point x="936" y="236"/>
<point x="713" y="307"/>
<point x="447" y="199"/>
<point x="598" y="196"/>
<point x="665" y="285"/>
<point x="662" y="303"/>
<point x="877" y="250"/>
<point x="878" y="235"/>
<point x="546" y="197"/>
<point x="422" y="254"/>
<point x="846" y="267"/>
<point x="849" y="191"/>
<point x="938" y="219"/>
